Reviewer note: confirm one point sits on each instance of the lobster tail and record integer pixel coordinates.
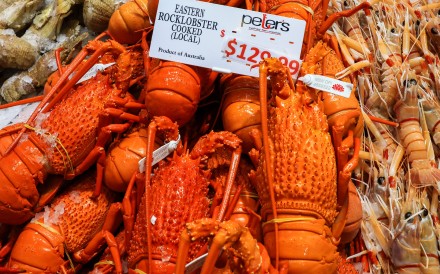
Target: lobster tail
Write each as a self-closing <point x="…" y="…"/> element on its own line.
<point x="295" y="248"/>
<point x="18" y="185"/>
<point x="241" y="107"/>
<point x="173" y="90"/>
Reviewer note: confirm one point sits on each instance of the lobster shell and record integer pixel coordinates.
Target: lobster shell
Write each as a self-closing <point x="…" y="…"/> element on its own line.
<point x="123" y="157"/>
<point x="173" y="90"/>
<point x="179" y="195"/>
<point x="241" y="106"/>
<point x="42" y="243"/>
<point x="128" y="21"/>
<point x="303" y="177"/>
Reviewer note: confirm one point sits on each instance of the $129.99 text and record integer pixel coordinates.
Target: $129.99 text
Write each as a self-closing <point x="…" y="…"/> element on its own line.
<point x="254" y="55"/>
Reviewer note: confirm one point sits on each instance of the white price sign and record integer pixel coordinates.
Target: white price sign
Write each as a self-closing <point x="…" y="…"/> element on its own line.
<point x="223" y="38"/>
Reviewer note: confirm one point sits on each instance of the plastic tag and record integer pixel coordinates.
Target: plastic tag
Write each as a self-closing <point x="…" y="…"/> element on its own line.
<point x="153" y="220"/>
<point x="93" y="71"/>
<point x="224" y="38"/>
<point x="327" y="84"/>
<point x="195" y="264"/>
<point x="160" y="153"/>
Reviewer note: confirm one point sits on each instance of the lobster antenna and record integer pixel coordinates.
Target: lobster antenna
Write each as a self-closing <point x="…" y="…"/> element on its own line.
<point x="236" y="155"/>
<point x="264" y="129"/>
<point x="152" y="128"/>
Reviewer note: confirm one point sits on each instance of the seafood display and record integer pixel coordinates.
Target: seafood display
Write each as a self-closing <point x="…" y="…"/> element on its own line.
<point x="133" y="164"/>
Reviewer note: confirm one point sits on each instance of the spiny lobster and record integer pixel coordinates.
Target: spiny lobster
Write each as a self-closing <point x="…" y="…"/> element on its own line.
<point x="69" y="135"/>
<point x="296" y="175"/>
<point x="175" y="195"/>
<point x="73" y="224"/>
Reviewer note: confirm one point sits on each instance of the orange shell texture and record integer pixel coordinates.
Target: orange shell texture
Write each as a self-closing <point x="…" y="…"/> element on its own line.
<point x="178" y="196"/>
<point x="241" y="107"/>
<point x="20" y="172"/>
<point x="83" y="217"/>
<point x="75" y="123"/>
<point x="127" y="23"/>
<point x="122" y="159"/>
<point x="173" y="90"/>
<point x="302" y="159"/>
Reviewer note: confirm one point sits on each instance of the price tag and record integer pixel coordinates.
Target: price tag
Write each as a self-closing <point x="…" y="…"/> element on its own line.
<point x="248" y="53"/>
<point x="327" y="84"/>
<point x="223" y="38"/>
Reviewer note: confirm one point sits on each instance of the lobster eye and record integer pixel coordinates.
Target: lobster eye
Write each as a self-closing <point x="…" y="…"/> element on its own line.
<point x="393" y="30"/>
<point x="438" y="12"/>
<point x="434" y="31"/>
<point x="407" y="215"/>
<point x="381" y="180"/>
<point x="413" y="82"/>
<point x="418" y="23"/>
<point x="425" y="212"/>
<point x="345" y="4"/>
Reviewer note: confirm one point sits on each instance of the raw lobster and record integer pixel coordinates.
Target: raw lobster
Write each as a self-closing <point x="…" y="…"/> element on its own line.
<point x="70" y="138"/>
<point x="73" y="224"/>
<point x="296" y="175"/>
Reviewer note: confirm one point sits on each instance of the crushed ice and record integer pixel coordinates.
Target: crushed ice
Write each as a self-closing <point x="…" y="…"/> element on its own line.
<point x="75" y="196"/>
<point x="166" y="255"/>
<point x="50" y="215"/>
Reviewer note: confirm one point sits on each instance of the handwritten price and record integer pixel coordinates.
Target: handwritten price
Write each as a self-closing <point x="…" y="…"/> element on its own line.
<point x="241" y="51"/>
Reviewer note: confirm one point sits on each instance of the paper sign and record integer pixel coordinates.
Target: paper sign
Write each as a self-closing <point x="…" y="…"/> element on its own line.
<point x="223" y="38"/>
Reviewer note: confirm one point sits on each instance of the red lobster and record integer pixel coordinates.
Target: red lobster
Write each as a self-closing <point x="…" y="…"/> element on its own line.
<point x="69" y="135"/>
<point x="296" y="175"/>
<point x="175" y="195"/>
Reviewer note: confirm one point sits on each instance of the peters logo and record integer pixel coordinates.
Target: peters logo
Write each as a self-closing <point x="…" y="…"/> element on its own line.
<point x="338" y="87"/>
<point x="264" y="23"/>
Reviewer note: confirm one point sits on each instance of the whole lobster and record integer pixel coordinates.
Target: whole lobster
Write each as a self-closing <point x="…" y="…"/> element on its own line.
<point x="70" y="134"/>
<point x="296" y="175"/>
<point x="173" y="89"/>
<point x="175" y="195"/>
<point x="73" y="224"/>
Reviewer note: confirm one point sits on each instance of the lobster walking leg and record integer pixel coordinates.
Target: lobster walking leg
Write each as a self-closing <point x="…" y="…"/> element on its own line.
<point x="112" y="221"/>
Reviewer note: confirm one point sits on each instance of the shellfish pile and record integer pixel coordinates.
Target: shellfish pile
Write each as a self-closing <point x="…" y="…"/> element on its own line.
<point x="155" y="166"/>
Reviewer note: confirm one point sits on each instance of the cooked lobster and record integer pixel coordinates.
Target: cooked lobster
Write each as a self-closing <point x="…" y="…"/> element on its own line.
<point x="70" y="134"/>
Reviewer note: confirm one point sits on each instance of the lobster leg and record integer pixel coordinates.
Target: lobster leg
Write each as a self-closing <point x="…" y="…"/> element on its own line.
<point x="229" y="182"/>
<point x="6" y="249"/>
<point x="112" y="221"/>
<point x="10" y="130"/>
<point x="7" y="270"/>
<point x="98" y="153"/>
<point x="48" y="190"/>
<point x="129" y="207"/>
